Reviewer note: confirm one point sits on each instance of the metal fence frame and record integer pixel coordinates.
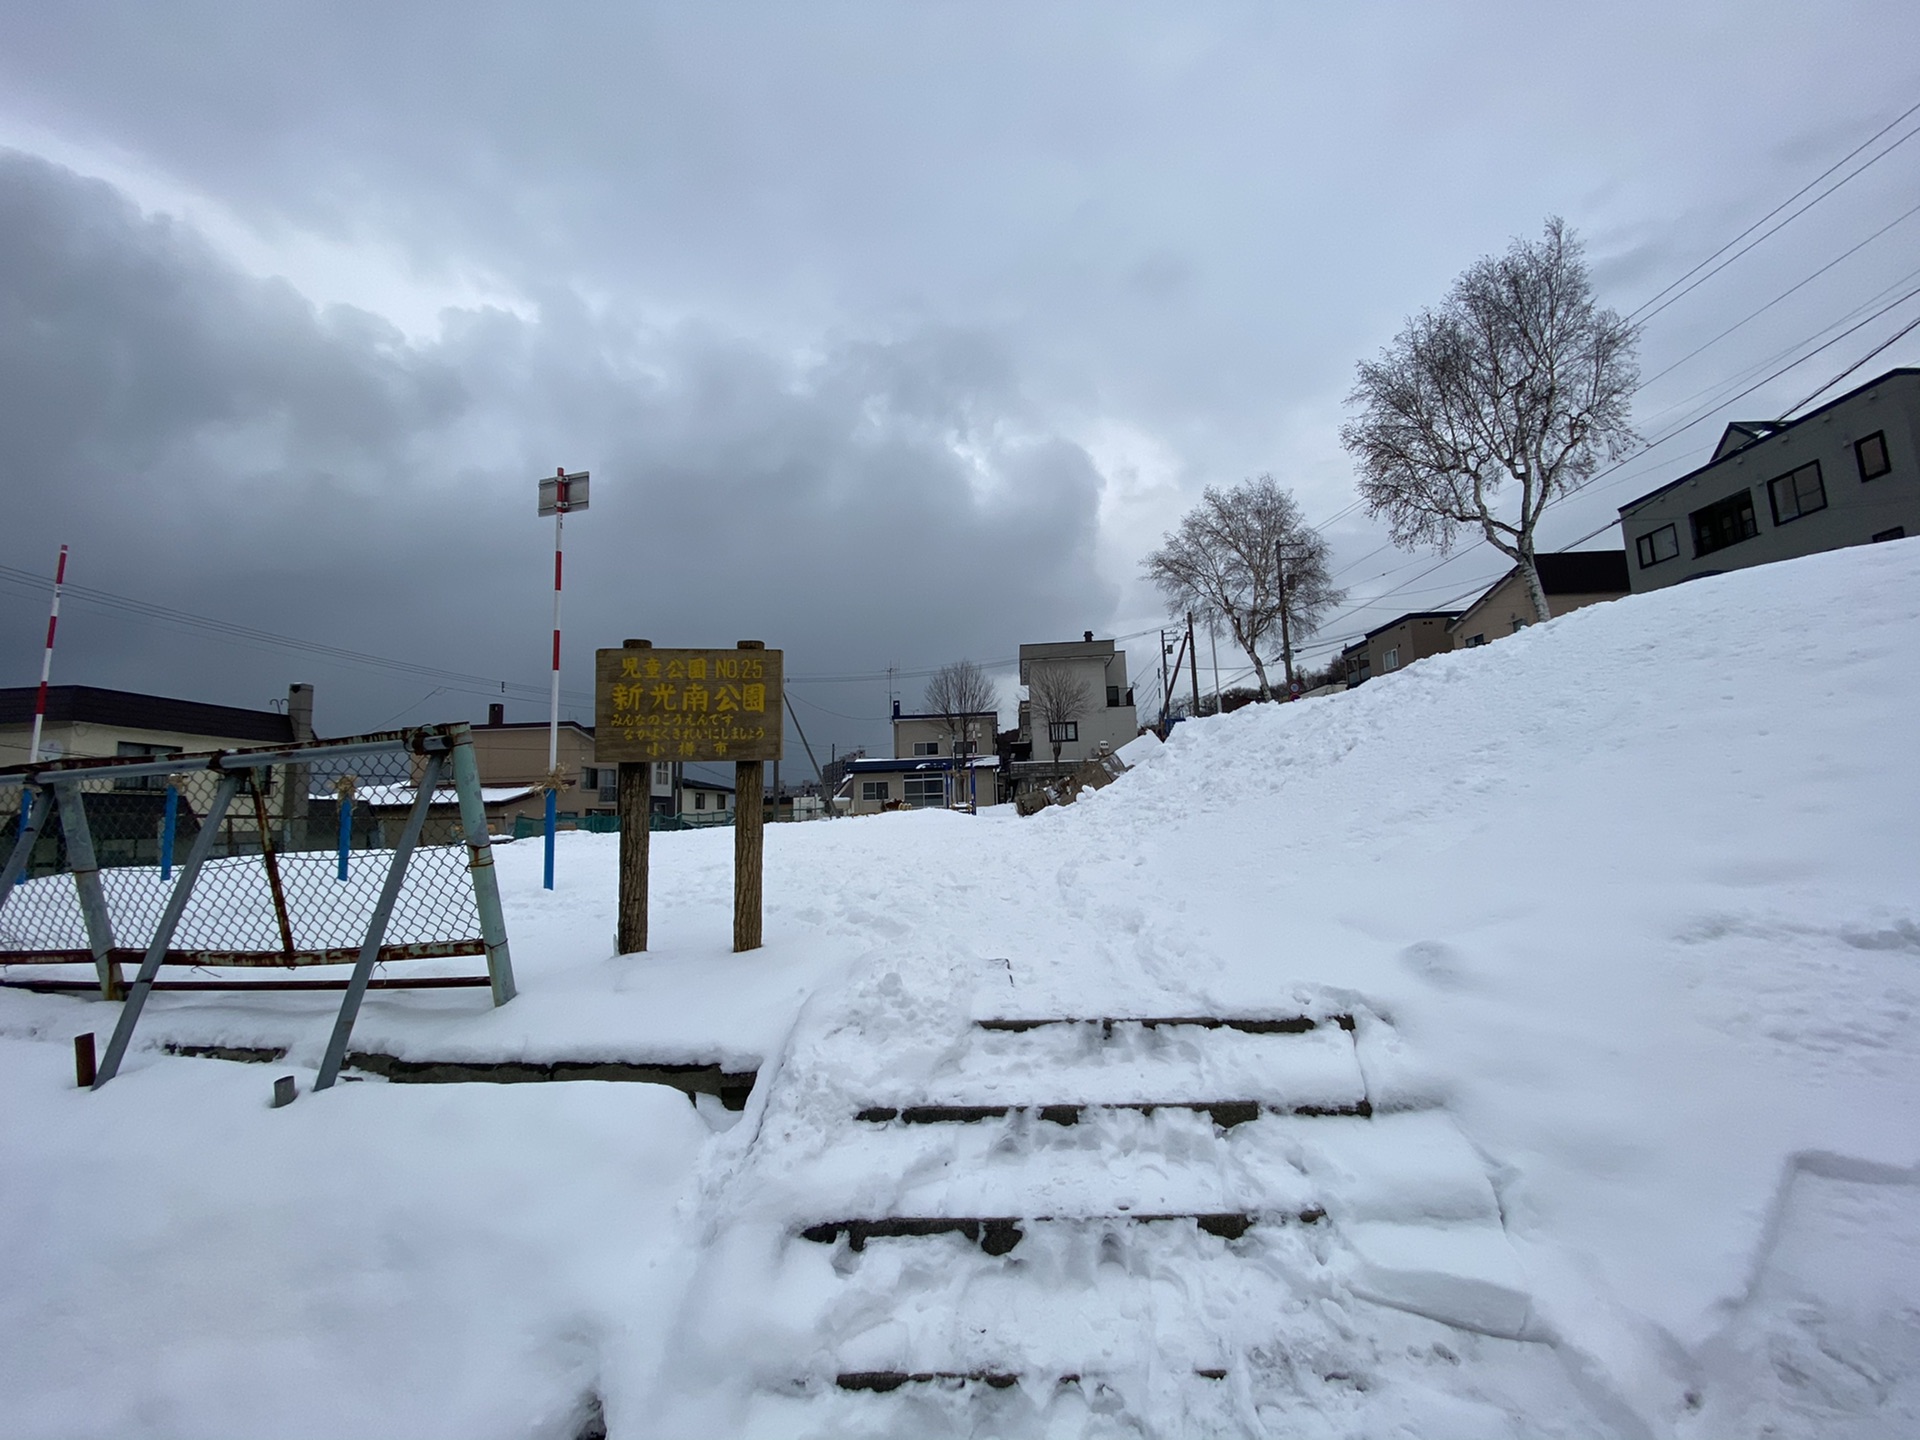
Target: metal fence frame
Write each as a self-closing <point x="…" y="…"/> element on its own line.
<point x="54" y="786"/>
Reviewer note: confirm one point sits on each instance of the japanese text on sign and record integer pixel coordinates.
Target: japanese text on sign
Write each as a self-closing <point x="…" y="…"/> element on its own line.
<point x="698" y="705"/>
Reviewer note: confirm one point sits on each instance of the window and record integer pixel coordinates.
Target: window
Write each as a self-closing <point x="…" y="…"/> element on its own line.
<point x="662" y="774"/>
<point x="1723" y="523"/>
<point x="129" y="750"/>
<point x="926" y="747"/>
<point x="1898" y="532"/>
<point x="1064" y="731"/>
<point x="1658" y="545"/>
<point x="1798" y="493"/>
<point x="920" y="791"/>
<point x="1113" y="697"/>
<point x="1473" y="641"/>
<point x="1391" y="660"/>
<point x="1871" y="454"/>
<point x="699" y="799"/>
<point x="874" y="790"/>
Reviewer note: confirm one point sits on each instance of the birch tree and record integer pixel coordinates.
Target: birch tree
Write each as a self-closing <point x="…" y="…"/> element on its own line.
<point x="1056" y="698"/>
<point x="1518" y="382"/>
<point x="959" y="694"/>
<point x="1245" y="558"/>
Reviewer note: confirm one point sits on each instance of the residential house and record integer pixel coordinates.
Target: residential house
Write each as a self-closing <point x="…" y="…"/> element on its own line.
<point x="1570" y="579"/>
<point x="924" y="771"/>
<point x="1097" y="669"/>
<point x="1845" y="474"/>
<point x="91" y="722"/>
<point x="1397" y="644"/>
<point x="87" y="721"/>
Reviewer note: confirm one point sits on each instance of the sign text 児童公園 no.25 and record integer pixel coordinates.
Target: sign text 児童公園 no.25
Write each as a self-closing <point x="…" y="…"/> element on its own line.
<point x="687" y="705"/>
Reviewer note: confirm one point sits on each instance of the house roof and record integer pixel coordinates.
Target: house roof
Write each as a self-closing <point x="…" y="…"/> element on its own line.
<point x="1567" y="572"/>
<point x="532" y="725"/>
<point x="932" y="715"/>
<point x="92" y="705"/>
<point x="923" y="762"/>
<point x="1414" y="615"/>
<point x="1722" y="453"/>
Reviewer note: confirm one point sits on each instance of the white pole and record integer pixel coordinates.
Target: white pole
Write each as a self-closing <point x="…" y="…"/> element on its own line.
<point x="46" y="661"/>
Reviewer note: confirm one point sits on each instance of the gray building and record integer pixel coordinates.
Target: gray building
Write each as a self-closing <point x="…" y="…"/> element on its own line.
<point x="1844" y="474"/>
<point x="1397" y="644"/>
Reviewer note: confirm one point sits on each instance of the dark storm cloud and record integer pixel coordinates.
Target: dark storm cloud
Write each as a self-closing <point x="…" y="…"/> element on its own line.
<point x="214" y="442"/>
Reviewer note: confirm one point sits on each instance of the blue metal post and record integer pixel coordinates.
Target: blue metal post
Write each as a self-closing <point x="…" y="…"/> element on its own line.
<point x="552" y="825"/>
<point x="346" y="831"/>
<point x="169" y="824"/>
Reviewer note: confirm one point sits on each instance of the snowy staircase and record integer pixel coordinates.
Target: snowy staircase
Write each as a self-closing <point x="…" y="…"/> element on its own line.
<point x="1071" y="1212"/>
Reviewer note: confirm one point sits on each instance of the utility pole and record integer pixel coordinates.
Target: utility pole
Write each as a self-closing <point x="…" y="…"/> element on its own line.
<point x="1166" y="693"/>
<point x="1213" y="644"/>
<point x="1193" y="665"/>
<point x="1286" y="637"/>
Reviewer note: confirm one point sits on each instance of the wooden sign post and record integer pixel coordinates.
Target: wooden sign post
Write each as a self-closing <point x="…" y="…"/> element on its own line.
<point x="659" y="706"/>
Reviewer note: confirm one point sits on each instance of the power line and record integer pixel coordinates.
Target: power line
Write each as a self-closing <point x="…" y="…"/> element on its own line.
<point x="1646" y="311"/>
<point x="1804" y="281"/>
<point x="247" y="634"/>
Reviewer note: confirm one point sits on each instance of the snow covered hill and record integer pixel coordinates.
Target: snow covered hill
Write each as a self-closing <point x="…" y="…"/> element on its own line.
<point x="1569" y="1086"/>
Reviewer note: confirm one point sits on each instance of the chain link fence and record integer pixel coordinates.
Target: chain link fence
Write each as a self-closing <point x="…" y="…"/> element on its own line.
<point x="293" y="872"/>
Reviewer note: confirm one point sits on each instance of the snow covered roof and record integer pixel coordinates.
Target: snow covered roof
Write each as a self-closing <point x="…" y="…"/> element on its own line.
<point x="382" y="796"/>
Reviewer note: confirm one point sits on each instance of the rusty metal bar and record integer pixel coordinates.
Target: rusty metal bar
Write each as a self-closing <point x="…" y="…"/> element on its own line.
<point x="86" y="880"/>
<point x="258" y="959"/>
<point x="29" y="836"/>
<point x="272" y="863"/>
<point x="377" y="925"/>
<point x="420" y="982"/>
<point x="426" y="740"/>
<point x="163" y="932"/>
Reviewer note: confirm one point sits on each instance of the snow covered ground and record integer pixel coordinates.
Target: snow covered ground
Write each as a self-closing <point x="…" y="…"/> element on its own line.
<point x="1614" y="927"/>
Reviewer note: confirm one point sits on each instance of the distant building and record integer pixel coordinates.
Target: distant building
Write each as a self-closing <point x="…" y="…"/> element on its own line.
<point x="1845" y="474"/>
<point x="89" y="722"/>
<point x="924" y="771"/>
<point x="1099" y="668"/>
<point x="1570" y="580"/>
<point x="1397" y="644"/>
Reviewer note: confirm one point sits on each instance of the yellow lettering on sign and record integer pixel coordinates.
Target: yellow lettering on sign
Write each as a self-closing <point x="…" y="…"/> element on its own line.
<point x="695" y="697"/>
<point x="630" y="667"/>
<point x="753" y="697"/>
<point x="696" y="669"/>
<point x="664" y="697"/>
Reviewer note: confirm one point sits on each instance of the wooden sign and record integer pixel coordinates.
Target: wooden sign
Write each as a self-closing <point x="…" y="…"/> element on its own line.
<point x="686" y="705"/>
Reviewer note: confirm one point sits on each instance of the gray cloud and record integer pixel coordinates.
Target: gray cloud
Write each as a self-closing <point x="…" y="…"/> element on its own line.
<point x="214" y="442"/>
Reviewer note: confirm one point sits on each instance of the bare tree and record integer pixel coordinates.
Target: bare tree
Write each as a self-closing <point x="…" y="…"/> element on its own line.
<point x="1056" y="698"/>
<point x="1518" y="376"/>
<point x="1246" y="558"/>
<point x="960" y="694"/>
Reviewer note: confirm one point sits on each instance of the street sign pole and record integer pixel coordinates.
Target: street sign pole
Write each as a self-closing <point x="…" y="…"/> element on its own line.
<point x="562" y="493"/>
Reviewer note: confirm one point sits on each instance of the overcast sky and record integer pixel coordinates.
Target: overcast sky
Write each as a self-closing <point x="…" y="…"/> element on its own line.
<point x="890" y="334"/>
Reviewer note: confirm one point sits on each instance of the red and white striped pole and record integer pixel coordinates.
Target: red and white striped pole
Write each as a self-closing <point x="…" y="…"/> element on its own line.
<point x="553" y="721"/>
<point x="46" y="662"/>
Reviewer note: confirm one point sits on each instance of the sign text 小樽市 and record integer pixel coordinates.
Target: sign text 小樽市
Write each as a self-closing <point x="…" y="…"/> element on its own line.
<point x="687" y="705"/>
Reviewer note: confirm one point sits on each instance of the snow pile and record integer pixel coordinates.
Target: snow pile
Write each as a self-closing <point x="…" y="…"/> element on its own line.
<point x="1613" y="926"/>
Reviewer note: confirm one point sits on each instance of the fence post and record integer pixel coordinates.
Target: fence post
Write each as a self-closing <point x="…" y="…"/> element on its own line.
<point x="163" y="932"/>
<point x="33" y="819"/>
<point x="86" y="880"/>
<point x="635" y="806"/>
<point x="377" y="925"/>
<point x="169" y="828"/>
<point x="272" y="863"/>
<point x="486" y="881"/>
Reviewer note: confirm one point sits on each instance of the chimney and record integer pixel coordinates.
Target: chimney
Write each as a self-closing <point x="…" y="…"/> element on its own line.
<point x="496" y="714"/>
<point x="1089" y="637"/>
<point x="896" y="709"/>
<point x="300" y="711"/>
